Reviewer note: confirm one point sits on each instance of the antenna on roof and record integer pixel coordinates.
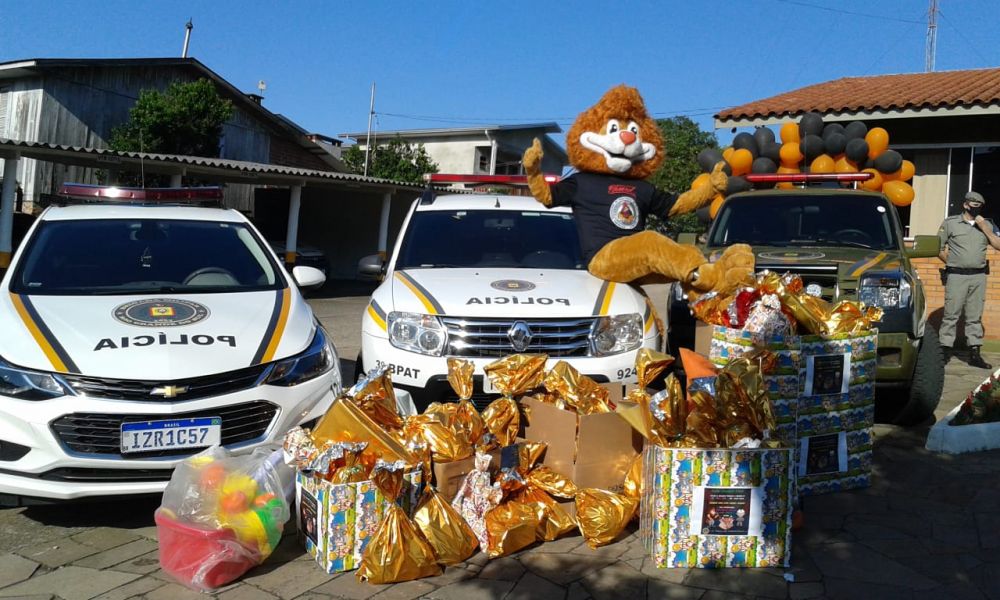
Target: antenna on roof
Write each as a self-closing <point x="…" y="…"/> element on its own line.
<point x="930" y="50"/>
<point x="187" y="38"/>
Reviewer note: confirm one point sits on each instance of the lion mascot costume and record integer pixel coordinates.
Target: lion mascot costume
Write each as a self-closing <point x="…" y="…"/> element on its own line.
<point x="615" y="145"/>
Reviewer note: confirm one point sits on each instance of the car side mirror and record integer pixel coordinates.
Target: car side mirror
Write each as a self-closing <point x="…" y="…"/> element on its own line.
<point x="371" y="267"/>
<point x="924" y="246"/>
<point x="308" y="278"/>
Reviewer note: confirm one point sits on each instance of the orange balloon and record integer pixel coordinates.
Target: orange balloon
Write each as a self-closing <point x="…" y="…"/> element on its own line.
<point x="907" y="171"/>
<point x="741" y="161"/>
<point x="727" y="153"/>
<point x="790" y="132"/>
<point x="878" y="141"/>
<point x="891" y="176"/>
<point x="783" y="170"/>
<point x="234" y="502"/>
<point x="791" y="154"/>
<point x="843" y="165"/>
<point x="716" y="205"/>
<point x="899" y="193"/>
<point x="822" y="164"/>
<point x="875" y="183"/>
<point x="700" y="181"/>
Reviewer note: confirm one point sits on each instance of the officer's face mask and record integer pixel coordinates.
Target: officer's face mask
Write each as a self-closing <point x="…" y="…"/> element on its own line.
<point x="974" y="210"/>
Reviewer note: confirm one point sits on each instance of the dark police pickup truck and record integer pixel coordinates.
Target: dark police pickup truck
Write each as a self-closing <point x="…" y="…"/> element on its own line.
<point x="849" y="243"/>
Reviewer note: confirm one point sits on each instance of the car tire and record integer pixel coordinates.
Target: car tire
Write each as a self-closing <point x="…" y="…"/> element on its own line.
<point x="926" y="384"/>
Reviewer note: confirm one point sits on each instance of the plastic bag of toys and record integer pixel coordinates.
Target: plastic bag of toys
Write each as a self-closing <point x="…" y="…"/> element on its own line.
<point x="221" y="515"/>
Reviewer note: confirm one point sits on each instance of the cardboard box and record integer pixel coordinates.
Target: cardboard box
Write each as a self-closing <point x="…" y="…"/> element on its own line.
<point x="836" y="412"/>
<point x="448" y="476"/>
<point x="336" y="521"/>
<point x="594" y="451"/>
<point x="717" y="508"/>
<point x="702" y="337"/>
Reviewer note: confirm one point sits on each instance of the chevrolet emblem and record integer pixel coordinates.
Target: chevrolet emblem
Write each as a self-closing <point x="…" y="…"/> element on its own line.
<point x="168" y="391"/>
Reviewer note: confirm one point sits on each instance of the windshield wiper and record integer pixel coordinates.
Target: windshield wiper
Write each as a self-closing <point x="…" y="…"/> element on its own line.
<point x="826" y="242"/>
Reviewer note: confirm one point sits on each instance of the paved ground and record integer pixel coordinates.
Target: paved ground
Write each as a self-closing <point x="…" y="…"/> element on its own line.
<point x="928" y="528"/>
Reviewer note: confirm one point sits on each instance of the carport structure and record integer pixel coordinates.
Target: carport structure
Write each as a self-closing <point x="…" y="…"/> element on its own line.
<point x="357" y="190"/>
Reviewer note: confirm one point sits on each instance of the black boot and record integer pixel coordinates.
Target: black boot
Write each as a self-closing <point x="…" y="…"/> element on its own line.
<point x="947" y="352"/>
<point x="976" y="359"/>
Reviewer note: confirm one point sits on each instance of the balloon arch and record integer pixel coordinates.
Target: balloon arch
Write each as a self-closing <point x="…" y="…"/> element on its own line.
<point x="811" y="146"/>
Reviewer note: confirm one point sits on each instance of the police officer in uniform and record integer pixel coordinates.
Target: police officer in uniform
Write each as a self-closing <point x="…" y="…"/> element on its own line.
<point x="964" y="239"/>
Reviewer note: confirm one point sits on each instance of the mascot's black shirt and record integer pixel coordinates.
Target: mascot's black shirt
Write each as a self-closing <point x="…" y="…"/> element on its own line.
<point x="606" y="207"/>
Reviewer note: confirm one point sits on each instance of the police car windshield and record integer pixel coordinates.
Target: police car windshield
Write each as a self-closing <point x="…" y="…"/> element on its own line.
<point x="490" y="238"/>
<point x="849" y="220"/>
<point x="140" y="256"/>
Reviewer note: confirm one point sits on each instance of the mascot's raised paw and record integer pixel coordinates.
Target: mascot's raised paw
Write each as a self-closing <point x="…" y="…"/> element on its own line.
<point x="734" y="268"/>
<point x="532" y="159"/>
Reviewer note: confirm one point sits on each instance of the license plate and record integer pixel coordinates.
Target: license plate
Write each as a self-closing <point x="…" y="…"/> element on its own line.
<point x="488" y="387"/>
<point x="149" y="436"/>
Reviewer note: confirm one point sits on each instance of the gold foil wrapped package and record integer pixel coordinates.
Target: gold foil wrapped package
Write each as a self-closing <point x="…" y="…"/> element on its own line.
<point x="373" y="393"/>
<point x="397" y="550"/>
<point x="447" y="532"/>
<point x="460" y="377"/>
<point x="551" y="482"/>
<point x="669" y="411"/>
<point x="517" y="373"/>
<point x="553" y="520"/>
<point x="852" y="318"/>
<point x="446" y="445"/>
<point x="468" y="420"/>
<point x="805" y="314"/>
<point x="633" y="478"/>
<point x="344" y="421"/>
<point x="476" y="497"/>
<point x="502" y="419"/>
<point x="650" y="364"/>
<point x="577" y="391"/>
<point x="510" y="527"/>
<point x="352" y="468"/>
<point x="603" y="515"/>
<point x="710" y="308"/>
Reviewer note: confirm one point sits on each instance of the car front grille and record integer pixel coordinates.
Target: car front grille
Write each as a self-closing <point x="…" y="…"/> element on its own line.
<point x="100" y="434"/>
<point x="85" y="475"/>
<point x="474" y="337"/>
<point x="142" y="391"/>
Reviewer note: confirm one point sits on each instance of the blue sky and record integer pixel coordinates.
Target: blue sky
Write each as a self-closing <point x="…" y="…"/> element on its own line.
<point x="462" y="63"/>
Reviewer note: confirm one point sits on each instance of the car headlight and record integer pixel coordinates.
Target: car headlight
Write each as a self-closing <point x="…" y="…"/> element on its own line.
<point x="885" y="290"/>
<point x="24" y="384"/>
<point x="423" y="334"/>
<point x="319" y="358"/>
<point x="619" y="333"/>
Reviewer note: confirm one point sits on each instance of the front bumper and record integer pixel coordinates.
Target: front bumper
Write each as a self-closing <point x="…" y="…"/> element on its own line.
<point x="52" y="468"/>
<point x="425" y="377"/>
<point x="897" y="357"/>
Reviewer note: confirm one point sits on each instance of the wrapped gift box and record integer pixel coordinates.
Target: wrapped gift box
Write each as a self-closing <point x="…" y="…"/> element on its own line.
<point x="336" y="521"/>
<point x="717" y="508"/>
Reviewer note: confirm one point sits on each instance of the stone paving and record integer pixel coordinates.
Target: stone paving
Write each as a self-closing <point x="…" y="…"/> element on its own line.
<point x="929" y="527"/>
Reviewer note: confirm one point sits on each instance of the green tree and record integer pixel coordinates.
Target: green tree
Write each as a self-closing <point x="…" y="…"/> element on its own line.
<point x="186" y="118"/>
<point x="394" y="160"/>
<point x="682" y="141"/>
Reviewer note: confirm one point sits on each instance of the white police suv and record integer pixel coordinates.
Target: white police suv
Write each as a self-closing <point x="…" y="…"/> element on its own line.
<point x="139" y="327"/>
<point x="482" y="276"/>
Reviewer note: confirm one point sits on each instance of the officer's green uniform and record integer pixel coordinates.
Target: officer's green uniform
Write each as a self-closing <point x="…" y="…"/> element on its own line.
<point x="966" y="286"/>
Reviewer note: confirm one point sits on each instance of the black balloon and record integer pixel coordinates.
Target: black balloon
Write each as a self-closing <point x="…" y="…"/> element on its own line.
<point x="835" y="143"/>
<point x="708" y="158"/>
<point x="764" y="165"/>
<point x="856" y="150"/>
<point x="737" y="184"/>
<point x="810" y="124"/>
<point x="856" y="130"/>
<point x="764" y="137"/>
<point x="889" y="161"/>
<point x="831" y="129"/>
<point x="812" y="146"/>
<point x="745" y="140"/>
<point x="772" y="151"/>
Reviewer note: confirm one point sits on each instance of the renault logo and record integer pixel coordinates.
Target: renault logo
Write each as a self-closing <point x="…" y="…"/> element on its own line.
<point x="519" y="335"/>
<point x="168" y="391"/>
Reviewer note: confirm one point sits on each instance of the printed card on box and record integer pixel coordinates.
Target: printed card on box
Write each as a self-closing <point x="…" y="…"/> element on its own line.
<point x="717" y="508"/>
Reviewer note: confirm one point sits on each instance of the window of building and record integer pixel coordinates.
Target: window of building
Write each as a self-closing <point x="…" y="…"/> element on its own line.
<point x="904" y="211"/>
<point x="958" y="180"/>
<point x="508" y="163"/>
<point x="986" y="179"/>
<point x="483" y="154"/>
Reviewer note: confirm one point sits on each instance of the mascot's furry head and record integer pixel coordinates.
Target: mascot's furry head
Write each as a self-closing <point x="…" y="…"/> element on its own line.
<point x="616" y="136"/>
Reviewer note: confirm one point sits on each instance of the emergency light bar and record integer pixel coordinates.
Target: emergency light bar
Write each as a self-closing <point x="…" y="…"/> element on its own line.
<point x="806" y="177"/>
<point x="485" y="179"/>
<point x="103" y="193"/>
